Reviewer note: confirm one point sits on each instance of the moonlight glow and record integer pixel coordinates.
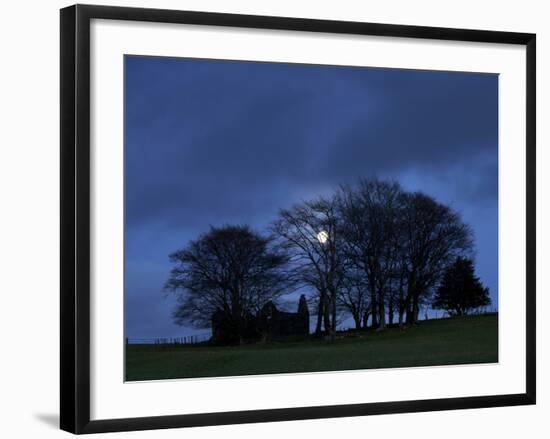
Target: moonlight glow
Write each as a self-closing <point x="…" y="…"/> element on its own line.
<point x="322" y="236"/>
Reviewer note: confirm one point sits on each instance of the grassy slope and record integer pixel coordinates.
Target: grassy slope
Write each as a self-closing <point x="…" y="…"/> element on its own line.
<point x="472" y="339"/>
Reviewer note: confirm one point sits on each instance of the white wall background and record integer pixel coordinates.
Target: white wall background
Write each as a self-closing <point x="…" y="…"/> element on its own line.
<point x="29" y="249"/>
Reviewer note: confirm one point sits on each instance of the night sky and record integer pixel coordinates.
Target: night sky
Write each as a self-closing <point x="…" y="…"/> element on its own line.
<point x="220" y="142"/>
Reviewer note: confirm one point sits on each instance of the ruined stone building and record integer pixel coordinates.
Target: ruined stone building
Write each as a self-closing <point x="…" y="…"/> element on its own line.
<point x="268" y="323"/>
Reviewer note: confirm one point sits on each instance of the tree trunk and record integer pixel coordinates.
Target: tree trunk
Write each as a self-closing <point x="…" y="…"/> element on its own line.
<point x="409" y="315"/>
<point x="236" y="316"/>
<point x="381" y="312"/>
<point x="382" y="317"/>
<point x="326" y="315"/>
<point x="390" y="312"/>
<point x="415" y="310"/>
<point x="357" y="320"/>
<point x="333" y="311"/>
<point x="402" y="307"/>
<point x="401" y="301"/>
<point x="319" y="316"/>
<point x="374" y="313"/>
<point x="409" y="309"/>
<point x="366" y="319"/>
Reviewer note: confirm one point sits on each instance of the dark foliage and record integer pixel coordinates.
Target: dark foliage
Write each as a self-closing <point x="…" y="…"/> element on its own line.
<point x="231" y="270"/>
<point x="461" y="291"/>
<point x="370" y="223"/>
<point x="396" y="246"/>
<point x="372" y="251"/>
<point x="432" y="236"/>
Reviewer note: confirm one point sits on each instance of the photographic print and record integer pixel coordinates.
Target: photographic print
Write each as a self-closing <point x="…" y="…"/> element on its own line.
<point x="293" y="218"/>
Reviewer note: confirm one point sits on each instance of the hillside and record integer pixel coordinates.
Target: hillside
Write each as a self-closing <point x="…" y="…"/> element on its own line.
<point x="460" y="340"/>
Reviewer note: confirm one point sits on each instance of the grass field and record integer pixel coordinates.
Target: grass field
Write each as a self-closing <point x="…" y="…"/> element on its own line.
<point x="461" y="340"/>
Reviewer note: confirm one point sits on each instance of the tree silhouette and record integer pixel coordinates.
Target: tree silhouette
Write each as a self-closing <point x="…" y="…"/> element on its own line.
<point x="229" y="270"/>
<point x="461" y="291"/>
<point x="370" y="226"/>
<point x="353" y="297"/>
<point x="432" y="235"/>
<point x="309" y="232"/>
<point x="371" y="251"/>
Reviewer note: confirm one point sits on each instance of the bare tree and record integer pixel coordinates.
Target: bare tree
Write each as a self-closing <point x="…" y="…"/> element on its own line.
<point x="353" y="297"/>
<point x="370" y="225"/>
<point x="232" y="270"/>
<point x="309" y="232"/>
<point x="432" y="236"/>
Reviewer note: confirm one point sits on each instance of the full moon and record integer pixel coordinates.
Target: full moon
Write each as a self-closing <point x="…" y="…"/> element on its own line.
<point x="322" y="236"/>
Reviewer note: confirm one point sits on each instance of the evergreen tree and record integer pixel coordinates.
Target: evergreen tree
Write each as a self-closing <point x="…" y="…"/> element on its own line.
<point x="461" y="290"/>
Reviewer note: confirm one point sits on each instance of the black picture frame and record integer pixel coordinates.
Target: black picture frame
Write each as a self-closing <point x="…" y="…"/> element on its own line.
<point x="75" y="218"/>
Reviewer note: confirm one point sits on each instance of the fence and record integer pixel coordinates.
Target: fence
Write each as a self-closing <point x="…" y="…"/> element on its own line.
<point x="183" y="340"/>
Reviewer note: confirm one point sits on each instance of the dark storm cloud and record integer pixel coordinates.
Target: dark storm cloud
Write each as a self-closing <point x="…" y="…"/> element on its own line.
<point x="213" y="142"/>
